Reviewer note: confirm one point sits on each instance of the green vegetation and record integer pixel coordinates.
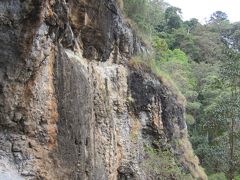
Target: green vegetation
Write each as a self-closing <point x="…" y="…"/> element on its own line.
<point x="201" y="63"/>
<point x="162" y="165"/>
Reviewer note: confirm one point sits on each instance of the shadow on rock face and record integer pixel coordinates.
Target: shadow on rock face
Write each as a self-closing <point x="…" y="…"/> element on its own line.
<point x="1" y="89"/>
<point x="126" y="172"/>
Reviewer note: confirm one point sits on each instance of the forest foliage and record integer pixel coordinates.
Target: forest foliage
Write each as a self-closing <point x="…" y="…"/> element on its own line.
<point x="203" y="62"/>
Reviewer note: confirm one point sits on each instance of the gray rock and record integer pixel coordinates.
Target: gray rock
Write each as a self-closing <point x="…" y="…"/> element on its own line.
<point x="70" y="108"/>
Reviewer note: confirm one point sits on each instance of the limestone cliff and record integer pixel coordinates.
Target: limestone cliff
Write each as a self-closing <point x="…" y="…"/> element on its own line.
<point x="70" y="107"/>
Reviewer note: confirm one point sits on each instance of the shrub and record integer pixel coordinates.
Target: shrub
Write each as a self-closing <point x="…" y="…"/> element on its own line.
<point x="217" y="176"/>
<point x="160" y="164"/>
<point x="190" y="119"/>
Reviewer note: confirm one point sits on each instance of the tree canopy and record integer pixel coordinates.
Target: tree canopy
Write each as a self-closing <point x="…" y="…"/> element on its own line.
<point x="203" y="61"/>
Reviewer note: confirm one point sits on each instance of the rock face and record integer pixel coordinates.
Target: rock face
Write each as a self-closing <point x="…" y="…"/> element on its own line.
<point x="70" y="107"/>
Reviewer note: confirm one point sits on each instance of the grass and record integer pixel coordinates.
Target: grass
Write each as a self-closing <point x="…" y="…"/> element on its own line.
<point x="146" y="63"/>
<point x="120" y="4"/>
<point x="161" y="164"/>
<point x="189" y="159"/>
<point x="142" y="36"/>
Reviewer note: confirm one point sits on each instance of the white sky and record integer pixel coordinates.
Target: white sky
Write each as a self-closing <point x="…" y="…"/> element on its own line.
<point x="202" y="9"/>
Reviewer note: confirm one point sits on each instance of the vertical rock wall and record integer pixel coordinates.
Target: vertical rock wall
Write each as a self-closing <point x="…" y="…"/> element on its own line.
<point x="70" y="108"/>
